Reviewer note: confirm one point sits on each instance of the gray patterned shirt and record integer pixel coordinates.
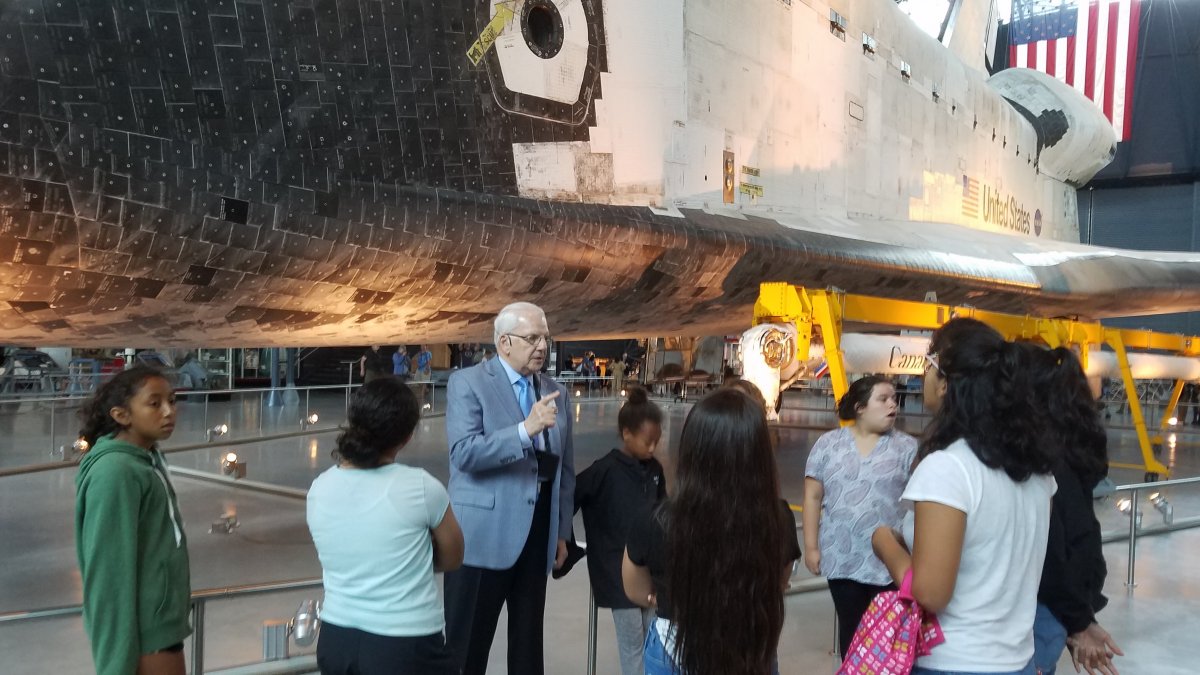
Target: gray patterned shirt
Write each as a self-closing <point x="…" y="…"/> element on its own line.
<point x="861" y="493"/>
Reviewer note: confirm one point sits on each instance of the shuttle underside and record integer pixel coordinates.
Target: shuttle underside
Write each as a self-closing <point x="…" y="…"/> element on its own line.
<point x="332" y="172"/>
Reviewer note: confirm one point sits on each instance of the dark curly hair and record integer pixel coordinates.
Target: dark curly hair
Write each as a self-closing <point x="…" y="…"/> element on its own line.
<point x="949" y="332"/>
<point x="94" y="414"/>
<point x="725" y="540"/>
<point x="1062" y="391"/>
<point x="748" y="388"/>
<point x="383" y="415"/>
<point x="858" y="396"/>
<point x="989" y="401"/>
<point x="637" y="410"/>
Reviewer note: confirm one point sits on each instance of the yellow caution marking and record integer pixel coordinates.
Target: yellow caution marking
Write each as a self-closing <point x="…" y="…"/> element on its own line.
<point x="487" y="38"/>
<point x="750" y="189"/>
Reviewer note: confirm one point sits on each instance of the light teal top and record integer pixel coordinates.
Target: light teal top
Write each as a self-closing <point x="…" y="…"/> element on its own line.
<point x="372" y="529"/>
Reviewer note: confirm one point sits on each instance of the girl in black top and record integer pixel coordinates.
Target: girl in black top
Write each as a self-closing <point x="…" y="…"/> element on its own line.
<point x="1073" y="575"/>
<point x="619" y="488"/>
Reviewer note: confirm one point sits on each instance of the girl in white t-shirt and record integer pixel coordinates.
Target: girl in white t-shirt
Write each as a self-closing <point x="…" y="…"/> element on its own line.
<point x="980" y="505"/>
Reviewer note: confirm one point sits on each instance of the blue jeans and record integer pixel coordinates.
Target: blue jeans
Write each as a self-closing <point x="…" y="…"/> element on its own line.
<point x="1027" y="670"/>
<point x="655" y="656"/>
<point x="659" y="662"/>
<point x="1049" y="640"/>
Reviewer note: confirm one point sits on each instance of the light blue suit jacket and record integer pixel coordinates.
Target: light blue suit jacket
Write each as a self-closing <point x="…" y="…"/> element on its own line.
<point x="493" y="479"/>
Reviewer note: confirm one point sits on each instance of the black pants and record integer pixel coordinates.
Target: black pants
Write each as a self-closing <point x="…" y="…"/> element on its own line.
<point x="350" y="651"/>
<point x="474" y="597"/>
<point x="851" y="599"/>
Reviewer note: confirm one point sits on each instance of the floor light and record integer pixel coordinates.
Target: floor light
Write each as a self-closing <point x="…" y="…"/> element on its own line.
<point x="230" y="466"/>
<point x="1164" y="507"/>
<point x="216" y="432"/>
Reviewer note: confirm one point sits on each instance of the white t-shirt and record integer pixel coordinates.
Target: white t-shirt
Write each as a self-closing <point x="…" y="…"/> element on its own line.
<point x="989" y="622"/>
<point x="372" y="531"/>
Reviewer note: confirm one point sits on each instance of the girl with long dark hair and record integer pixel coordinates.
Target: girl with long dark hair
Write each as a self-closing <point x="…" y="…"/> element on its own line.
<point x="1071" y="591"/>
<point x="382" y="529"/>
<point x="852" y="484"/>
<point x="128" y="529"/>
<point x="980" y="499"/>
<point x="714" y="557"/>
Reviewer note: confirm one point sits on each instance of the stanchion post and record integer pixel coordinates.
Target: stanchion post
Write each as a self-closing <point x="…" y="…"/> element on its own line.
<point x="52" y="426"/>
<point x="591" y="655"/>
<point x="197" y="636"/>
<point x="1133" y="509"/>
<point x="837" y="639"/>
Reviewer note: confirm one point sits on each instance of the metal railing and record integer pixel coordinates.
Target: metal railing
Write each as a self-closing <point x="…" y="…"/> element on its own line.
<point x="201" y="598"/>
<point x="55" y="406"/>
<point x="62" y="431"/>
<point x="199" y="603"/>
<point x="426" y="391"/>
<point x="1135" y="517"/>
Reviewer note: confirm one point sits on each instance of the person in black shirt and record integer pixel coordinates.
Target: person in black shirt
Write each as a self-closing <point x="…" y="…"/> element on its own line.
<point x="724" y="540"/>
<point x="619" y="488"/>
<point x="1073" y="575"/>
<point x="372" y="365"/>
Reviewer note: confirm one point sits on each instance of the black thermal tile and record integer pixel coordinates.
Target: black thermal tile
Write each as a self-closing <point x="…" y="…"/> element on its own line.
<point x="198" y="275"/>
<point x="234" y="210"/>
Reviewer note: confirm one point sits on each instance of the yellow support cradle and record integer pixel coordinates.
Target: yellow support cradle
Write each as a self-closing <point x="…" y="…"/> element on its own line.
<point x="827" y="310"/>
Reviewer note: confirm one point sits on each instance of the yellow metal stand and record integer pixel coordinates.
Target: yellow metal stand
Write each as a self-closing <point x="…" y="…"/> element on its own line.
<point x="1113" y="338"/>
<point x="827" y="310"/>
<point x="1172" y="407"/>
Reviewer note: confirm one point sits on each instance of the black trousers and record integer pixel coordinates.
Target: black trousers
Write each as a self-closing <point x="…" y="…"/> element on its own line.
<point x="350" y="651"/>
<point x="474" y="597"/>
<point x="851" y="600"/>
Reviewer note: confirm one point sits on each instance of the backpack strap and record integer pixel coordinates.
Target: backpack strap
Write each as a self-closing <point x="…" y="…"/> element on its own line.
<point x="906" y="586"/>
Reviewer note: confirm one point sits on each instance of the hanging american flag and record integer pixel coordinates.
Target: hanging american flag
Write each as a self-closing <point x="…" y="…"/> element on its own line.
<point x="1090" y="45"/>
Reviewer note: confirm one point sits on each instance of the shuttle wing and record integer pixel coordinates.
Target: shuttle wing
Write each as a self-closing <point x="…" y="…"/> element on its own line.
<point x="181" y="172"/>
<point x="440" y="264"/>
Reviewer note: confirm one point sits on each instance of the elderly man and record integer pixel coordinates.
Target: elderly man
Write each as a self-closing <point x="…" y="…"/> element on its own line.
<point x="512" y="486"/>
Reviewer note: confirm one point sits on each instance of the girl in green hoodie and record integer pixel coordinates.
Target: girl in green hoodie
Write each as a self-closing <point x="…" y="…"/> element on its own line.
<point x="128" y="530"/>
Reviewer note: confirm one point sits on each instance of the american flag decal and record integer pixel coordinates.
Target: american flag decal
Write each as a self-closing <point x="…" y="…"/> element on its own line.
<point x="970" y="197"/>
<point x="1091" y="45"/>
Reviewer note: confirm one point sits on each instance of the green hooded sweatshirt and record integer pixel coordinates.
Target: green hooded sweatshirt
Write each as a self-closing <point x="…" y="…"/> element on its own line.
<point x="132" y="554"/>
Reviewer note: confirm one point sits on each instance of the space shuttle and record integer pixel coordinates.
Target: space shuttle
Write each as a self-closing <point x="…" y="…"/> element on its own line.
<point x="335" y="172"/>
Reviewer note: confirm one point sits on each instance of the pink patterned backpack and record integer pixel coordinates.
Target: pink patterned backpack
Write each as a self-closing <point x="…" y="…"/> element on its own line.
<point x="892" y="634"/>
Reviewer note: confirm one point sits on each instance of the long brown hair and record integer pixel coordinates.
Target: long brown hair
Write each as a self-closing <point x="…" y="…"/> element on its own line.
<point x="725" y="540"/>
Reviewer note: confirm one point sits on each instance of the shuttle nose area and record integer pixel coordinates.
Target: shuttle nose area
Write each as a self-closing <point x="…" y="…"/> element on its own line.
<point x="1075" y="139"/>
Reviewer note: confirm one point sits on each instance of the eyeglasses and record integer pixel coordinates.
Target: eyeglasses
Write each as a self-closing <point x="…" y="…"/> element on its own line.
<point x="532" y="340"/>
<point x="931" y="362"/>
